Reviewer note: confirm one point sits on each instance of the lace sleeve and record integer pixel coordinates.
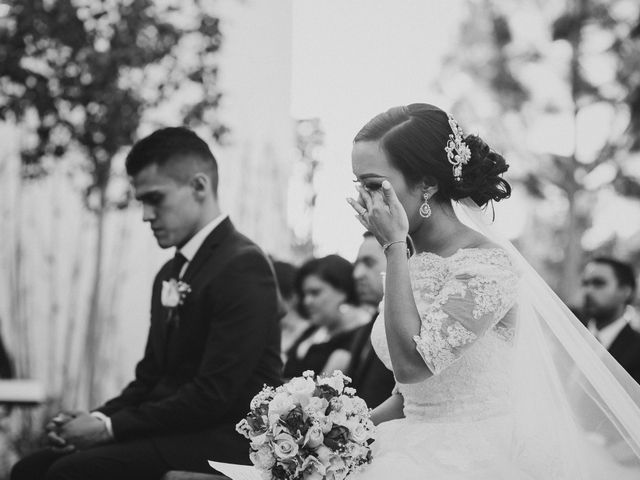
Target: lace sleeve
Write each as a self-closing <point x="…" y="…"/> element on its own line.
<point x="474" y="296"/>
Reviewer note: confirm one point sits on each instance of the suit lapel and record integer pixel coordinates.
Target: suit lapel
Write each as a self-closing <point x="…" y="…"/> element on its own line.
<point x="620" y="346"/>
<point x="216" y="237"/>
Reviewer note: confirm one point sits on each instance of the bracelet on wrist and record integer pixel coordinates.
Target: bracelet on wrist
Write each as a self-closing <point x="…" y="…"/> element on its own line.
<point x="386" y="246"/>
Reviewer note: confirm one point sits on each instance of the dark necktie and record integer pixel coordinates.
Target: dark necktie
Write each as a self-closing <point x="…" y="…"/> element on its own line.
<point x="176" y="265"/>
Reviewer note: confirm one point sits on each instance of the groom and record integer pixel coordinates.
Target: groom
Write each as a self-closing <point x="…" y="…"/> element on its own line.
<point x="213" y="341"/>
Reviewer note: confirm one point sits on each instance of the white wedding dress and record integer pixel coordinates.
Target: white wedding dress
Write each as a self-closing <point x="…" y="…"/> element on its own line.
<point x="465" y="421"/>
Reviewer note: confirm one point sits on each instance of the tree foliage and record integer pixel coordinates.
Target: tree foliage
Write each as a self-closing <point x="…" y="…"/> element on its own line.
<point x="529" y="64"/>
<point x="80" y="75"/>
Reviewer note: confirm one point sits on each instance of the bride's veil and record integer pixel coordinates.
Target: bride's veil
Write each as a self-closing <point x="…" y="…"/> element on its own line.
<point x="576" y="410"/>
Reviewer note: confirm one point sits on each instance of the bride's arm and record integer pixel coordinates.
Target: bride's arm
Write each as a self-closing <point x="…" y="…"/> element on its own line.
<point x="390" y="409"/>
<point x="387" y="220"/>
<point x="402" y="319"/>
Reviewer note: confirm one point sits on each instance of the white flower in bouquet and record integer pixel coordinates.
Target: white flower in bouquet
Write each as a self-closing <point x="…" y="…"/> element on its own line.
<point x="282" y="403"/>
<point x="316" y="407"/>
<point x="301" y="389"/>
<point x="311" y="466"/>
<point x="314" y="436"/>
<point x="284" y="446"/>
<point x="357" y="431"/>
<point x="263" y="458"/>
<point x="337" y="469"/>
<point x="336" y="381"/>
<point x="258" y="440"/>
<point x="244" y="429"/>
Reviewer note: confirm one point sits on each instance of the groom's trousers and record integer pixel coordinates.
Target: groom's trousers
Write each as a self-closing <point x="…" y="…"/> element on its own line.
<point x="134" y="460"/>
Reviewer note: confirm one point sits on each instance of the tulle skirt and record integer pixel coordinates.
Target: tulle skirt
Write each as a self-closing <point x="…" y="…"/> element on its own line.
<point x="488" y="449"/>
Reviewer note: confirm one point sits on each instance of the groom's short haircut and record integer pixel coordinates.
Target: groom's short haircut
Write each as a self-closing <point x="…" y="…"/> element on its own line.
<point x="170" y="144"/>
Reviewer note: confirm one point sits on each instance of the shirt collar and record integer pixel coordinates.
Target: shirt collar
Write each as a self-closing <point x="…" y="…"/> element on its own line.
<point x="608" y="334"/>
<point x="190" y="248"/>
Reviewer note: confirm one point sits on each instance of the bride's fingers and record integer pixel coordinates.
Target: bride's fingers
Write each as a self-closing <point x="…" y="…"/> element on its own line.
<point x="378" y="201"/>
<point x="365" y="197"/>
<point x="359" y="209"/>
<point x="390" y="196"/>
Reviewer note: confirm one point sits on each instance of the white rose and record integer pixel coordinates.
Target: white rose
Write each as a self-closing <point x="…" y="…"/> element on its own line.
<point x="170" y="295"/>
<point x="301" y="389"/>
<point x="262" y="458"/>
<point x="314" y="436"/>
<point x="280" y="404"/>
<point x="357" y="431"/>
<point x="284" y="446"/>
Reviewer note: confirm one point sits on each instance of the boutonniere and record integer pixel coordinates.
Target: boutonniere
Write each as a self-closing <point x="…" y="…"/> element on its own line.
<point x="173" y="293"/>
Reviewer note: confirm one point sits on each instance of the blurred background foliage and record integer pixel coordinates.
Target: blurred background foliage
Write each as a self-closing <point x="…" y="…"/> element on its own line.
<point x="554" y="85"/>
<point x="558" y="86"/>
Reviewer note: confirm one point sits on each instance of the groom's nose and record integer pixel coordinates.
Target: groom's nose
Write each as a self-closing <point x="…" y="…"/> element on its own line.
<point x="148" y="213"/>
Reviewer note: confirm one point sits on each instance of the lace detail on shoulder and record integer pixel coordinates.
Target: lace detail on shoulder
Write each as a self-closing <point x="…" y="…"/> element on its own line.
<point x="459" y="299"/>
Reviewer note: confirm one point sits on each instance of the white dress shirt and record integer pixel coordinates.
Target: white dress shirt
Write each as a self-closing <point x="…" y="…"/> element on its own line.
<point x="189" y="251"/>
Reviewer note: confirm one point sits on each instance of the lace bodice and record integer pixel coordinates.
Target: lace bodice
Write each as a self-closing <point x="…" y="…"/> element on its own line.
<point x="466" y="304"/>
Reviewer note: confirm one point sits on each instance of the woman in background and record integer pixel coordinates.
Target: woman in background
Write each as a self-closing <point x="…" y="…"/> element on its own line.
<point x="328" y="299"/>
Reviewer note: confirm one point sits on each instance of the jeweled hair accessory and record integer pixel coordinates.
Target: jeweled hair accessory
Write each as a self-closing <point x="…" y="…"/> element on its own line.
<point x="458" y="153"/>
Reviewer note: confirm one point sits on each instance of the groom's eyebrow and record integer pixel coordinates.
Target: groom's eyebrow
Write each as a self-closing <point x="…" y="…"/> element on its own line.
<point x="150" y="195"/>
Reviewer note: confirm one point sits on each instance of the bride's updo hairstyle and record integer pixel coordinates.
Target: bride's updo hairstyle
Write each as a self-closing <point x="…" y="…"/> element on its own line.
<point x="414" y="138"/>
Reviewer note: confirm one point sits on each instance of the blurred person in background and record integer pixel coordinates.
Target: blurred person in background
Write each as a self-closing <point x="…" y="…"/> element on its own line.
<point x="608" y="289"/>
<point x="328" y="299"/>
<point x="371" y="379"/>
<point x="292" y="325"/>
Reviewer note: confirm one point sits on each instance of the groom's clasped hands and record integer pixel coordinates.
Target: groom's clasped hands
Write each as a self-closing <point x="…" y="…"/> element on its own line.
<point x="71" y="430"/>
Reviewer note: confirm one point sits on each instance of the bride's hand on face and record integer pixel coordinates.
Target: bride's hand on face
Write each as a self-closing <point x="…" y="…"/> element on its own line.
<point x="380" y="212"/>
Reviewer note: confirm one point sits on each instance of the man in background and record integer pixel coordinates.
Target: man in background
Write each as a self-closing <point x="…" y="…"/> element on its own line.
<point x="608" y="288"/>
<point x="371" y="379"/>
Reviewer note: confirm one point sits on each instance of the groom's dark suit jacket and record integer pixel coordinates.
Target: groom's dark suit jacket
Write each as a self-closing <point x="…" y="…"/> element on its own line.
<point x="626" y="350"/>
<point x="198" y="375"/>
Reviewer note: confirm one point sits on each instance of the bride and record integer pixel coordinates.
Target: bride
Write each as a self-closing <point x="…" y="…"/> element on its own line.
<point x="495" y="378"/>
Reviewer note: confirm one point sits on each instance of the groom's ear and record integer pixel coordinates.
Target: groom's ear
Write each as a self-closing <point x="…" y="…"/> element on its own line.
<point x="201" y="184"/>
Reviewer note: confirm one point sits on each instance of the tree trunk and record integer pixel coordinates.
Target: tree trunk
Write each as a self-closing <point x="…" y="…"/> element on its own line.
<point x="575" y="225"/>
<point x="92" y="342"/>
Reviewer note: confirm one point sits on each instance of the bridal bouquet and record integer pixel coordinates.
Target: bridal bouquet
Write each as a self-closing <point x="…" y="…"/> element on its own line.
<point x="311" y="428"/>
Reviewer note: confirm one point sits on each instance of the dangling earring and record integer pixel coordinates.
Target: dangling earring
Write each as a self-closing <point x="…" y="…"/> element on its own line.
<point x="425" y="208"/>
